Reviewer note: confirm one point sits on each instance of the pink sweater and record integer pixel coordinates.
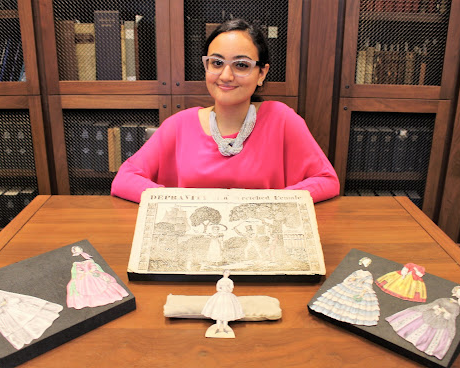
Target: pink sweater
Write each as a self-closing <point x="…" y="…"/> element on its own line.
<point x="279" y="153"/>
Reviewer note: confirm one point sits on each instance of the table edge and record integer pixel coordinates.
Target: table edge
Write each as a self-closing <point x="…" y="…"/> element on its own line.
<point x="444" y="241"/>
<point x="10" y="230"/>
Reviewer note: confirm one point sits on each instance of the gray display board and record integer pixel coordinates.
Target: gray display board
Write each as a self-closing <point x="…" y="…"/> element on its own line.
<point x="383" y="334"/>
<point x="46" y="277"/>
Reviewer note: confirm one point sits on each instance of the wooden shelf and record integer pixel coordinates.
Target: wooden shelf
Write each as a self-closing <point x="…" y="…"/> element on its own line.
<point x="403" y="17"/>
<point x="385" y="176"/>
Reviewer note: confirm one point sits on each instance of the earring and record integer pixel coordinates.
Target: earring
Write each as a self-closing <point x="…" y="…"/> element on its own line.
<point x="260" y="84"/>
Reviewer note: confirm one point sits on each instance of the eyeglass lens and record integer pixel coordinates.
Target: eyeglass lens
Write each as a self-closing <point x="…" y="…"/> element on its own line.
<point x="239" y="67"/>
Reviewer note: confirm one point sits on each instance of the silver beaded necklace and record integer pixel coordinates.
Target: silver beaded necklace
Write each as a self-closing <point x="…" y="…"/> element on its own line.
<point x="233" y="146"/>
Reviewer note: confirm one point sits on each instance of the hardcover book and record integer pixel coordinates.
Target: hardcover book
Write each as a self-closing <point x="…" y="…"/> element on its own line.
<point x="195" y="234"/>
<point x="108" y="44"/>
<point x="48" y="290"/>
<point x="379" y="271"/>
<point x="66" y="50"/>
<point x="86" y="51"/>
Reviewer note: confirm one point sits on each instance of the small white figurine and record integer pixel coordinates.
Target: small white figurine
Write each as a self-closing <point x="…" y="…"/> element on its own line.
<point x="223" y="307"/>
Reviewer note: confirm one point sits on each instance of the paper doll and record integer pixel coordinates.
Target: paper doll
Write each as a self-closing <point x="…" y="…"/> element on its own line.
<point x="223" y="307"/>
<point x="405" y="284"/>
<point x="429" y="327"/>
<point x="90" y="286"/>
<point x="24" y="318"/>
<point x="353" y="301"/>
<point x="216" y="245"/>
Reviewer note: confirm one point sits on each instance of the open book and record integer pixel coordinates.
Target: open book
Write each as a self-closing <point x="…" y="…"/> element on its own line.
<point x="192" y="234"/>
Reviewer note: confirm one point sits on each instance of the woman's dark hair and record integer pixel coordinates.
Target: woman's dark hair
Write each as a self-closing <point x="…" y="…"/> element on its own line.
<point x="256" y="35"/>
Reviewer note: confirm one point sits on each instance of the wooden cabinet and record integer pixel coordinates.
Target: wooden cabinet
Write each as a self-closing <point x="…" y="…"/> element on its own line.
<point x="23" y="158"/>
<point x="167" y="37"/>
<point x="449" y="217"/>
<point x="392" y="147"/>
<point x="399" y="73"/>
<point x="401" y="49"/>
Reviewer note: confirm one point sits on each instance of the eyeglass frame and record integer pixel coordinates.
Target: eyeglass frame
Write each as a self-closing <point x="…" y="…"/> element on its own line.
<point x="253" y="63"/>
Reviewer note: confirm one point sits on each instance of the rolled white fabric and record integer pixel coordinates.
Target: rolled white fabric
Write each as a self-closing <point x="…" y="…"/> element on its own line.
<point x="255" y="307"/>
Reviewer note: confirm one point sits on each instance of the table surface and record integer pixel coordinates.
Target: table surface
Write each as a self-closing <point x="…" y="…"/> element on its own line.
<point x="389" y="227"/>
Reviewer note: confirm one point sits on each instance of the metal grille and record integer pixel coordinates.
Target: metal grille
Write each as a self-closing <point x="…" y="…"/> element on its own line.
<point x="389" y="154"/>
<point x="18" y="182"/>
<point x="106" y="40"/>
<point x="402" y="42"/>
<point x="98" y="141"/>
<point x="11" y="57"/>
<point x="201" y="17"/>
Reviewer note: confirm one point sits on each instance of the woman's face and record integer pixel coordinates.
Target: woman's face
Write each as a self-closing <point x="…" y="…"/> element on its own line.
<point x="226" y="89"/>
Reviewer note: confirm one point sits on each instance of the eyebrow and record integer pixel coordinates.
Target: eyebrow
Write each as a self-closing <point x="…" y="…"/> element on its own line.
<point x="234" y="58"/>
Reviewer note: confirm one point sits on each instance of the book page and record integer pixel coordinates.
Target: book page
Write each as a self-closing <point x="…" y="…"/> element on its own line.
<point x="205" y="231"/>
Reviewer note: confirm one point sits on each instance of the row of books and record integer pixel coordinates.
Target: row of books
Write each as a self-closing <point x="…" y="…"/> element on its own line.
<point x="16" y="148"/>
<point x="103" y="146"/>
<point x="13" y="200"/>
<point x="389" y="149"/>
<point x="412" y="6"/>
<point x="108" y="49"/>
<point x="393" y="65"/>
<point x="11" y="56"/>
<point x="413" y="195"/>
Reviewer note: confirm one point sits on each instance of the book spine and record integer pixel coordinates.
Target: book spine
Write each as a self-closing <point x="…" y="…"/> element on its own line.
<point x="85" y="155"/>
<point x="100" y="146"/>
<point x="409" y="69"/>
<point x="371" y="154"/>
<point x="378" y="68"/>
<point x="360" y="67"/>
<point x="369" y="65"/>
<point x="66" y="51"/>
<point x="9" y="145"/>
<point x="129" y="140"/>
<point x="108" y="45"/>
<point x="86" y="51"/>
<point x="24" y="148"/>
<point x="412" y="149"/>
<point x="385" y="149"/>
<point x="136" y="50"/>
<point x="130" y="51"/>
<point x="357" y="145"/>
<point x="123" y="52"/>
<point x="399" y="151"/>
<point x="146" y="31"/>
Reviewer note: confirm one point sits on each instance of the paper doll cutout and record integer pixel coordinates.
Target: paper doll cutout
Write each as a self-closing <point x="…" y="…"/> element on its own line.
<point x="223" y="307"/>
<point x="406" y="284"/>
<point x="429" y="327"/>
<point x="24" y="318"/>
<point x="90" y="286"/>
<point x="365" y="261"/>
<point x="216" y="245"/>
<point x="353" y="301"/>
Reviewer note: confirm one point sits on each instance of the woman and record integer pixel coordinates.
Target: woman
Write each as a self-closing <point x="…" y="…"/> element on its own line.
<point x="236" y="143"/>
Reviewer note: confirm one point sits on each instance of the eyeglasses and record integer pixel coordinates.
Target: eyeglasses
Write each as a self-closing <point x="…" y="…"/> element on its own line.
<point x="240" y="68"/>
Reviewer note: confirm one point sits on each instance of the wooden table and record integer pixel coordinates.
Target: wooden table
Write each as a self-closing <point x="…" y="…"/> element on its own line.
<point x="390" y="227"/>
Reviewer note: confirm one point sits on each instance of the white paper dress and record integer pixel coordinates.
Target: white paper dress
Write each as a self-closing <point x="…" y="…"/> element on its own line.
<point x="223" y="305"/>
<point x="24" y="318"/>
<point x="353" y="301"/>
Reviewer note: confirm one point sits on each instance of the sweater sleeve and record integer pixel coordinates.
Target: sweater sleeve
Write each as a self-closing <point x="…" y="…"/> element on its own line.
<point x="306" y="165"/>
<point x="150" y="167"/>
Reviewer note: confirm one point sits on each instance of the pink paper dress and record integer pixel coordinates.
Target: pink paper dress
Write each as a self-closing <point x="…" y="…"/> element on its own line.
<point x="90" y="286"/>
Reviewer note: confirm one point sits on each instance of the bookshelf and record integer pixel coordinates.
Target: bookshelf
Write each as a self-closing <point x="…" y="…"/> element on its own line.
<point x="392" y="147"/>
<point x="193" y="18"/>
<point x="168" y="75"/>
<point x="402" y="49"/>
<point x="24" y="169"/>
